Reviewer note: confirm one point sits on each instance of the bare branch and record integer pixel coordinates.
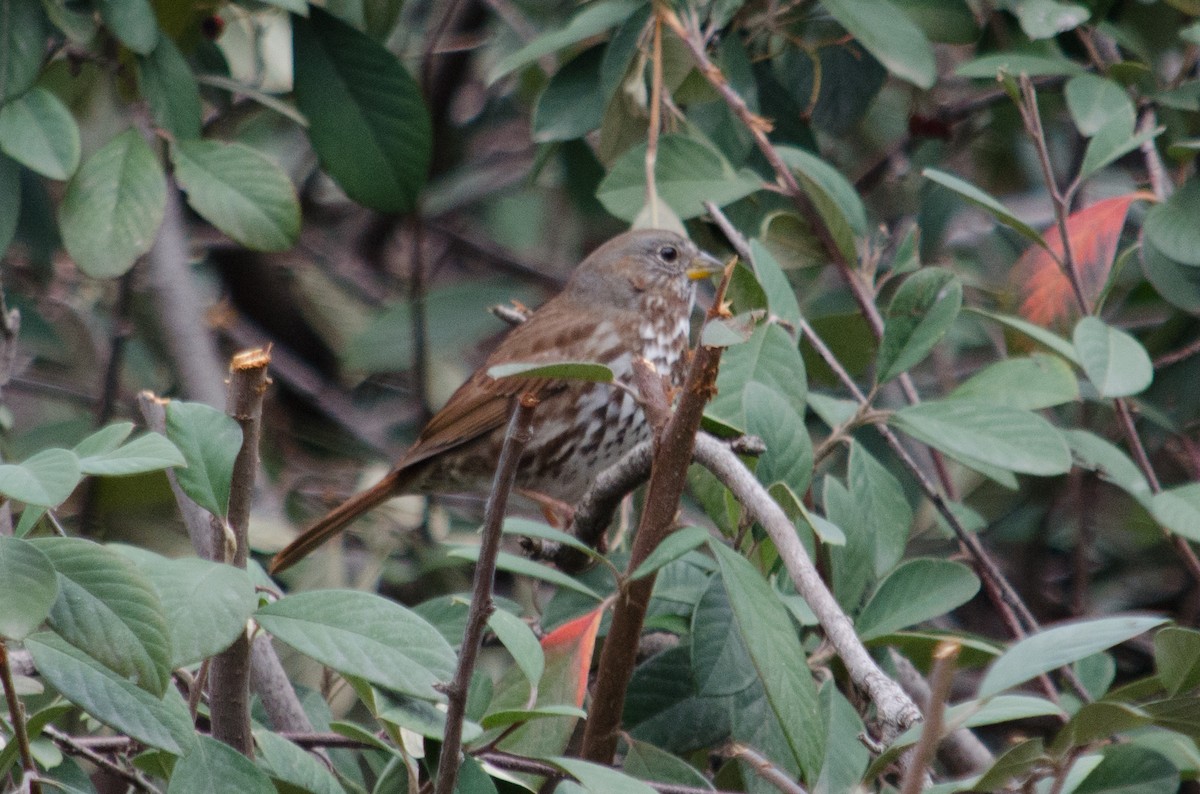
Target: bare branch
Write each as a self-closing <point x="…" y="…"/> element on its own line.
<point x="482" y="606"/>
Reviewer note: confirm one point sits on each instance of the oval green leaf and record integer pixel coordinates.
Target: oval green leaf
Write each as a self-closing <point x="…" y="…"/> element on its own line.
<point x="293" y="765"/>
<point x="38" y="131"/>
<point x="111" y="699"/>
<point x="364" y="635"/>
<point x="367" y="120"/>
<point x="984" y="201"/>
<point x="146" y="453"/>
<point x="1172" y="226"/>
<point x="113" y="207"/>
<point x="109" y="610"/>
<point x="916" y="591"/>
<point x="206" y="603"/>
<point x="887" y="33"/>
<point x="240" y="191"/>
<point x="1061" y="645"/>
<point x="210" y="441"/>
<point x="1031" y="382"/>
<point x="28" y="587"/>
<point x="168" y="84"/>
<point x="22" y="46"/>
<point x="921" y="312"/>
<point x="1115" y="362"/>
<point x="212" y="766"/>
<point x="1007" y="438"/>
<point x="45" y="479"/>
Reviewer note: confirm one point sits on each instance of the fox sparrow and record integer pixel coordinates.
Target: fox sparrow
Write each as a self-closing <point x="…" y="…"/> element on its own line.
<point x="631" y="297"/>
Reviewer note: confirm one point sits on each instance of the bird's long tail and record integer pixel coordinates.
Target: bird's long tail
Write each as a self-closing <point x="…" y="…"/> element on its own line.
<point x="337" y="519"/>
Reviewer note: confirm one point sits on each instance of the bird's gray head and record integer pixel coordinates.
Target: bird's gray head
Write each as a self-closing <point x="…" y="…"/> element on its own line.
<point x="638" y="264"/>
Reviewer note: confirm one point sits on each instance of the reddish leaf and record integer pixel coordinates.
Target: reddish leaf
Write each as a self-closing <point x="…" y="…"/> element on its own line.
<point x="1046" y="295"/>
<point x="568" y="652"/>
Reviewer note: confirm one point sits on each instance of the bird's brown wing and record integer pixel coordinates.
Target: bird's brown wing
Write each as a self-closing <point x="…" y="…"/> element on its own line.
<point x="480" y="405"/>
<point x="558" y="331"/>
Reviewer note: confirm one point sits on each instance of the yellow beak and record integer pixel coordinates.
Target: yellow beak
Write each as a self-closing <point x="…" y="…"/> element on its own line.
<point x="704" y="266"/>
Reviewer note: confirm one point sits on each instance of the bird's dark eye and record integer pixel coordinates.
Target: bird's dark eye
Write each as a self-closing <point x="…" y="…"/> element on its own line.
<point x="668" y="253"/>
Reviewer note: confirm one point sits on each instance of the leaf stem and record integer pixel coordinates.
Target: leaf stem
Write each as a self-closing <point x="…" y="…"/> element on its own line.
<point x="16" y="715"/>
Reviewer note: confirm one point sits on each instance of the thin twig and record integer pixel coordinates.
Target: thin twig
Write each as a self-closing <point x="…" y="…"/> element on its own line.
<point x="1160" y="183"/>
<point x="16" y="718"/>
<point x="1061" y="199"/>
<point x="482" y="606"/>
<point x="960" y="752"/>
<point x="656" y="78"/>
<point x="763" y="767"/>
<point x="944" y="657"/>
<point x="73" y="746"/>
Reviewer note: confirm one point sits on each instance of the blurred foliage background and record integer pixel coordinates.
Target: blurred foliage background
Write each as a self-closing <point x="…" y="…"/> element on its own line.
<point x="357" y="182"/>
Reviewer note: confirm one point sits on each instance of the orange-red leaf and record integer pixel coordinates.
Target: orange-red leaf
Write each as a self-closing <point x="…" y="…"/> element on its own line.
<point x="1046" y="295"/>
<point x="569" y="650"/>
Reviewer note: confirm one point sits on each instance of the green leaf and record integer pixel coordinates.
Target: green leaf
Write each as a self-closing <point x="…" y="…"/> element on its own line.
<point x="781" y="298"/>
<point x="1032" y="382"/>
<point x="986" y="202"/>
<point x="1178" y="509"/>
<point x="213" y="766"/>
<point x="240" y="191"/>
<point x="367" y="120"/>
<point x="1171" y="225"/>
<point x="1107" y="460"/>
<point x="161" y="723"/>
<point x="567" y="370"/>
<point x="1008" y="438"/>
<point x="419" y="716"/>
<point x="881" y="505"/>
<point x="113" y="207"/>
<point x="921" y="312"/>
<point x="1045" y="19"/>
<point x="1035" y="332"/>
<point x="597" y="779"/>
<point x="38" y="131"/>
<point x="210" y="441"/>
<point x="888" y="34"/>
<point x="514" y="525"/>
<point x="721" y="663"/>
<point x="363" y="635"/>
<point x="22" y="46"/>
<point x="206" y="604"/>
<point x="505" y="717"/>
<point x="674" y="546"/>
<point x="1096" y="101"/>
<point x="916" y="591"/>
<point x="10" y="199"/>
<point x="648" y="762"/>
<point x="590" y="21"/>
<point x="1177" y="658"/>
<point x="1034" y="64"/>
<point x="291" y="764"/>
<point x="523" y="566"/>
<point x="167" y="83"/>
<point x="986" y="711"/>
<point x="1013" y="764"/>
<point x="107" y="609"/>
<point x="572" y="104"/>
<point x="835" y="198"/>
<point x="1115" y="362"/>
<point x="765" y="628"/>
<point x="45" y="479"/>
<point x="28" y="588"/>
<point x="1176" y="282"/>
<point x="521" y="643"/>
<point x="1112" y="142"/>
<point x="687" y="173"/>
<point x="133" y="23"/>
<point x="103" y="441"/>
<point x="1061" y="645"/>
<point x="1130" y="769"/>
<point x="149" y="452"/>
<point x="770" y="359"/>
